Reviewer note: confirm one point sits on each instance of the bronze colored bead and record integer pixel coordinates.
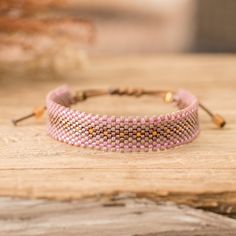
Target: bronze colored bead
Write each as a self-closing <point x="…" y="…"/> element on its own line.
<point x="168" y="97"/>
<point x="154" y="133"/>
<point x="105" y="133"/>
<point x="219" y="120"/>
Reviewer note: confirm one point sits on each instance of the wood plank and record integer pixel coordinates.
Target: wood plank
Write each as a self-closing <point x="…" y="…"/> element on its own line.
<point x="34" y="165"/>
<point x="122" y="215"/>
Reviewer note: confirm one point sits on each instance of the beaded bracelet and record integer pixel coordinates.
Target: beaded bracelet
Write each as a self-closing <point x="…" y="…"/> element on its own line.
<point x="115" y="133"/>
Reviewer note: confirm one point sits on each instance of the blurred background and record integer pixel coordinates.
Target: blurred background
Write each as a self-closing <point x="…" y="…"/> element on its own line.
<point x="55" y="33"/>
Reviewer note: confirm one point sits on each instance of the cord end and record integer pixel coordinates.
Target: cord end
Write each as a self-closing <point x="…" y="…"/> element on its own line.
<point x="14" y="122"/>
<point x="37" y="113"/>
<point x="219" y="120"/>
<point x="216" y="118"/>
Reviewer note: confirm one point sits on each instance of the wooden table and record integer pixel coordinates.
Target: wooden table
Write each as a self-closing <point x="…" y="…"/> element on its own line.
<point x="202" y="174"/>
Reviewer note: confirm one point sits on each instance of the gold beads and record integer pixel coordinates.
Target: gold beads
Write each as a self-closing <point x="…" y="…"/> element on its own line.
<point x="105" y="133"/>
<point x="154" y="133"/>
<point x="168" y="97"/>
<point x="218" y="120"/>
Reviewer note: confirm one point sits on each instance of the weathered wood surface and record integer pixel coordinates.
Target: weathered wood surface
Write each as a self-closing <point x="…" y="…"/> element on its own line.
<point x="202" y="174"/>
<point x="118" y="216"/>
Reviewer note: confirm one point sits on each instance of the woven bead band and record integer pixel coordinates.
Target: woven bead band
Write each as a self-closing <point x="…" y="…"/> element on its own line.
<point x="114" y="133"/>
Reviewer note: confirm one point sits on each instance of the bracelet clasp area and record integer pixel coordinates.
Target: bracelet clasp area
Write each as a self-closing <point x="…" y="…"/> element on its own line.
<point x="81" y="95"/>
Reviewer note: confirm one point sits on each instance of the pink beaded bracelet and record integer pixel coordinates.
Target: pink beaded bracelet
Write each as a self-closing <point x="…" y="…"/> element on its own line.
<point x="114" y="133"/>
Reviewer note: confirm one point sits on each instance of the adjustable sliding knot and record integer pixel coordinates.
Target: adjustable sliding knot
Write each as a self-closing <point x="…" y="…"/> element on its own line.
<point x="126" y="91"/>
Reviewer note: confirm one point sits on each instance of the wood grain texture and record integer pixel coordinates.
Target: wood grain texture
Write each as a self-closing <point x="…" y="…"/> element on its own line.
<point x="202" y="174"/>
<point x="118" y="216"/>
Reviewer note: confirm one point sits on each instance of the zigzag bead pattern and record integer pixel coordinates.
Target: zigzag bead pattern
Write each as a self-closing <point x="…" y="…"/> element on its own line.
<point x="122" y="134"/>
